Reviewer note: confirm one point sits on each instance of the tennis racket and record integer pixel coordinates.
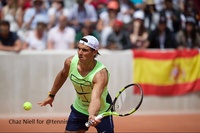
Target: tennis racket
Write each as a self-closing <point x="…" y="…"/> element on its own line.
<point x="125" y="103"/>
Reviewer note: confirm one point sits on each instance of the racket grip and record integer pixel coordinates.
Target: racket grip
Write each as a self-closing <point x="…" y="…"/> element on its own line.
<point x="99" y="117"/>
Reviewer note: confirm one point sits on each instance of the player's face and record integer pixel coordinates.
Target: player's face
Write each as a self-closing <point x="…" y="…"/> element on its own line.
<point x="85" y="52"/>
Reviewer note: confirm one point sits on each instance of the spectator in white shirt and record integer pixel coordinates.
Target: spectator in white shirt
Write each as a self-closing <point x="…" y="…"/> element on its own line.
<point x="126" y="11"/>
<point x="36" y="39"/>
<point x="57" y="8"/>
<point x="61" y="36"/>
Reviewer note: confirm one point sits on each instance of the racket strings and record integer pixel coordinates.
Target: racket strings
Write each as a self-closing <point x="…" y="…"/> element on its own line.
<point x="128" y="100"/>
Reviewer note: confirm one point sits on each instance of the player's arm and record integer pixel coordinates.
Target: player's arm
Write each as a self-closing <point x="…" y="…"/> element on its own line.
<point x="100" y="82"/>
<point x="59" y="81"/>
<point x="61" y="77"/>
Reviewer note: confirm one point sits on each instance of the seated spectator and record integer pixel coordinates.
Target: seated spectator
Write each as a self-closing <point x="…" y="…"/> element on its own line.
<point x="188" y="37"/>
<point x="139" y="34"/>
<point x="55" y="11"/>
<point x="22" y="6"/>
<point x="70" y="3"/>
<point x="36" y="39"/>
<point x="81" y="13"/>
<point x="10" y="13"/>
<point x="61" y="36"/>
<point x="161" y="37"/>
<point x="106" y="19"/>
<point x="173" y="16"/>
<point x="87" y="29"/>
<point x="126" y="11"/>
<point x="159" y="4"/>
<point x="9" y="41"/>
<point x="35" y="14"/>
<point x="99" y="5"/>
<point x="151" y="15"/>
<point x="119" y="38"/>
<point x="190" y="9"/>
<point x="27" y="4"/>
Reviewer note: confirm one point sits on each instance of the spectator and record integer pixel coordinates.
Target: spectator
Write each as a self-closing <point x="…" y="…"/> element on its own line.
<point x="159" y="4"/>
<point x="151" y="15"/>
<point x="70" y="3"/>
<point x="172" y="15"/>
<point x="55" y="11"/>
<point x="9" y="41"/>
<point x="35" y="14"/>
<point x="190" y="10"/>
<point x="27" y="4"/>
<point x="178" y="4"/>
<point x="126" y="11"/>
<point x="188" y="37"/>
<point x="21" y="7"/>
<point x="161" y="37"/>
<point x="81" y="13"/>
<point x="61" y="36"/>
<point x="36" y="39"/>
<point x="105" y="22"/>
<point x="99" y="5"/>
<point x="87" y="29"/>
<point x="9" y="13"/>
<point x="119" y="38"/>
<point x="139" y="34"/>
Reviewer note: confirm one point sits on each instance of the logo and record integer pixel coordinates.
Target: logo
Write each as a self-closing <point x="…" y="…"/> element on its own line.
<point x="177" y="73"/>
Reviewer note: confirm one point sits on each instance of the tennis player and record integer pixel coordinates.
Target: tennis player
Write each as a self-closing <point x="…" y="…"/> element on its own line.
<point x="89" y="78"/>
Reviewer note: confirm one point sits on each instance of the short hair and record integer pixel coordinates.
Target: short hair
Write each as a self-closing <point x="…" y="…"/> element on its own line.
<point x="41" y="23"/>
<point x="4" y="23"/>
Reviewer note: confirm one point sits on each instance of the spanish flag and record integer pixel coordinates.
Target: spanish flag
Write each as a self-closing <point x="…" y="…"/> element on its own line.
<point x="170" y="72"/>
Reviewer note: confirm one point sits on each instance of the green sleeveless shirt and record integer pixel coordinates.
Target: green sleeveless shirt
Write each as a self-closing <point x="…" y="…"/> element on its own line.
<point x="84" y="85"/>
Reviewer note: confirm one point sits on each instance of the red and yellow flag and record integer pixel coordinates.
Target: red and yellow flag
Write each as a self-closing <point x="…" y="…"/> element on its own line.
<point x="173" y="72"/>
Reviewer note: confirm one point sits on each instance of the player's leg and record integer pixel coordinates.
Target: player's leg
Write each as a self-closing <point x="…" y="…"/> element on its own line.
<point x="76" y="122"/>
<point x="106" y="125"/>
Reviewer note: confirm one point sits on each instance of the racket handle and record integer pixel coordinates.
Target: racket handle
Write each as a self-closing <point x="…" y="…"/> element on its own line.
<point x="99" y="117"/>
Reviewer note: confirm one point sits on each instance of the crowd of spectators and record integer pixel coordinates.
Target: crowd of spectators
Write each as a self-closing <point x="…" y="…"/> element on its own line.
<point x="118" y="24"/>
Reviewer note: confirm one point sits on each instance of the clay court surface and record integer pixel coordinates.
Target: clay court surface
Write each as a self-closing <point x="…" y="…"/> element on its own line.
<point x="136" y="123"/>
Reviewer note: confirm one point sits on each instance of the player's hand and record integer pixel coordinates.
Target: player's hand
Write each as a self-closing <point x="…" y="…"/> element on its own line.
<point x="48" y="100"/>
<point x="93" y="121"/>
